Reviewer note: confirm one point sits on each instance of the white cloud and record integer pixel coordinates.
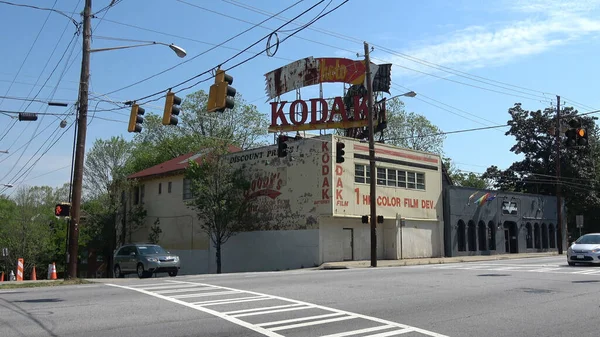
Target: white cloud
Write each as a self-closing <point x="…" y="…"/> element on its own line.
<point x="549" y="24"/>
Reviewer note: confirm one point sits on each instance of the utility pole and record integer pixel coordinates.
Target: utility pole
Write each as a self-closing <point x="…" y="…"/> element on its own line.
<point x="80" y="146"/>
<point x="372" y="169"/>
<point x="558" y="191"/>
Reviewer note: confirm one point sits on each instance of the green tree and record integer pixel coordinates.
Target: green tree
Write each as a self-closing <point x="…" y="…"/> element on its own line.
<point x="243" y="125"/>
<point x="534" y="132"/>
<point x="219" y="199"/>
<point x="411" y="130"/>
<point x="105" y="181"/>
<point x="464" y="179"/>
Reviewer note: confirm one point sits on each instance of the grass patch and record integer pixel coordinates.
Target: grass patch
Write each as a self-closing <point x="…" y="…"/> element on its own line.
<point x="37" y="284"/>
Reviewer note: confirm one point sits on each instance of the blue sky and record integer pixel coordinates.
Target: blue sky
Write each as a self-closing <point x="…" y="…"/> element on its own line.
<point x="520" y="51"/>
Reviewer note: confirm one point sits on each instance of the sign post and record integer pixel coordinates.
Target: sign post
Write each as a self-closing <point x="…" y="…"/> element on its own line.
<point x="579" y="222"/>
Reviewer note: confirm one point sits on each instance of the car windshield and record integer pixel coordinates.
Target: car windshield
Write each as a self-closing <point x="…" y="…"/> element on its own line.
<point x="147" y="250"/>
<point x="589" y="240"/>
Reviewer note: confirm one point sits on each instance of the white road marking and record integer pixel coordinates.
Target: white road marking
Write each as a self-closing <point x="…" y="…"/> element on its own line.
<point x="301" y="325"/>
<point x="361" y="331"/>
<point x="259" y="309"/>
<point x="271" y="311"/>
<point x="269" y="328"/>
<point x="532" y="268"/>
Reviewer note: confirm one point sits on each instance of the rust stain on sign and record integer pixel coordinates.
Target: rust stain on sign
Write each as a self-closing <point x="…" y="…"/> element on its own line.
<point x="309" y="71"/>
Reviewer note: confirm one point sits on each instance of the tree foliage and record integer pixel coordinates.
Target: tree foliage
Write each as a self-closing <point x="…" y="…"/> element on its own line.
<point x="464" y="179"/>
<point x="534" y="132"/>
<point x="219" y="199"/>
<point x="243" y="125"/>
<point x="411" y="130"/>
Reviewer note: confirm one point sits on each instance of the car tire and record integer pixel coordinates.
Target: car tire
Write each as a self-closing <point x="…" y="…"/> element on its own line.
<point x="571" y="263"/>
<point x="141" y="272"/>
<point x="173" y="273"/>
<point x="117" y="272"/>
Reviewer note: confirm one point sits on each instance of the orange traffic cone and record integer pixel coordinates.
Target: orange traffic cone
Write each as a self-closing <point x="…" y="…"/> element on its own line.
<point x="33" y="276"/>
<point x="53" y="273"/>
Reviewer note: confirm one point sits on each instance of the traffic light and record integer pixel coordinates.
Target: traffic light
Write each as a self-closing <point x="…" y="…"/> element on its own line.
<point x="582" y="137"/>
<point x="136" y="119"/>
<point x="62" y="210"/>
<point x="571" y="137"/>
<point x="27" y="116"/>
<point x="172" y="109"/>
<point x="282" y="147"/>
<point x="339" y="152"/>
<point x="365" y="219"/>
<point x="380" y="219"/>
<point x="221" y="94"/>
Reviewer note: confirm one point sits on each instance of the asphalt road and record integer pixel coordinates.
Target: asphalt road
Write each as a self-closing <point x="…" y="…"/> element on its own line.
<point x="527" y="297"/>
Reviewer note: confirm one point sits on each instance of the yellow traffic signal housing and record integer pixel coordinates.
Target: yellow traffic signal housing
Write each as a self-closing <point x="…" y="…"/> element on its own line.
<point x="136" y="119"/>
<point x="172" y="109"/>
<point x="221" y="94"/>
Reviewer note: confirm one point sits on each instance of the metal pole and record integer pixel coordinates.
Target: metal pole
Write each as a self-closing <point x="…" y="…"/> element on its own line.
<point x="81" y="134"/>
<point x="558" y="191"/>
<point x="373" y="173"/>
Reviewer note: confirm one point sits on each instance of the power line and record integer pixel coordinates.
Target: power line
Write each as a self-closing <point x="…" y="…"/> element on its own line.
<point x="29" y="52"/>
<point x="202" y="53"/>
<point x="44" y="9"/>
<point x="411" y="58"/>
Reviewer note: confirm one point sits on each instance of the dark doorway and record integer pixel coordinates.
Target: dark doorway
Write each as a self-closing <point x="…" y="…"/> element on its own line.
<point x="511" y="241"/>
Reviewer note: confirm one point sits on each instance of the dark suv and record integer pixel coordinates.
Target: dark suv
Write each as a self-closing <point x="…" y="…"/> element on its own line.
<point x="144" y="259"/>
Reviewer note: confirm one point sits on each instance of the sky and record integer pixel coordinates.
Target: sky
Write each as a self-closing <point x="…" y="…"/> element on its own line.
<point x="468" y="62"/>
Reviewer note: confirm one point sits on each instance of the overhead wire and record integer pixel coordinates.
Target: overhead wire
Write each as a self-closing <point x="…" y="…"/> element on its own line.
<point x="202" y="53"/>
<point x="241" y="62"/>
<point x="38" y="124"/>
<point x="42" y="8"/>
<point x="390" y="51"/>
<point x="12" y="125"/>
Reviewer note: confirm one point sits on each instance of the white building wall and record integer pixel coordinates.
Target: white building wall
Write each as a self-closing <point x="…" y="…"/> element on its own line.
<point x="310" y="200"/>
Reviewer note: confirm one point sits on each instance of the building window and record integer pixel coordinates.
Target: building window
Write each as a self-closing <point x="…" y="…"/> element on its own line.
<point x="390" y="177"/>
<point x="159" y="188"/>
<point x="169" y="187"/>
<point x="362" y="174"/>
<point x="136" y="195"/>
<point x="142" y="193"/>
<point x="187" y="189"/>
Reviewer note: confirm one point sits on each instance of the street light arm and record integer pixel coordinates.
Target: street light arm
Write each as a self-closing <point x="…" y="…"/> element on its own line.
<point x="178" y="50"/>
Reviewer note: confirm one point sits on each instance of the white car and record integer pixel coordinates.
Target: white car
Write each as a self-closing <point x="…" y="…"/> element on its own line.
<point x="585" y="250"/>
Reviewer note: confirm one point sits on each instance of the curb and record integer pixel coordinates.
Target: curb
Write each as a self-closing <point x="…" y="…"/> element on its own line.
<point x="417" y="262"/>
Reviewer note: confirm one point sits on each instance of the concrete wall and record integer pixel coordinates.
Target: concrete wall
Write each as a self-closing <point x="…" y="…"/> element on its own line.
<point x="507" y="217"/>
<point x="268" y="251"/>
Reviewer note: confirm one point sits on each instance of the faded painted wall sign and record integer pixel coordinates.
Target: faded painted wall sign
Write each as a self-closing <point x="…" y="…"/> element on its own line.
<point x="310" y="71"/>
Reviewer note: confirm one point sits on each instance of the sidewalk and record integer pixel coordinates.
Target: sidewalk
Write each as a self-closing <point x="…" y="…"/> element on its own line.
<point x="436" y="260"/>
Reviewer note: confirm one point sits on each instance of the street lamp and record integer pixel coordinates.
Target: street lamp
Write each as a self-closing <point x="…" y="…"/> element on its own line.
<point x="3" y="151"/>
<point x="8" y="185"/>
<point x="178" y="50"/>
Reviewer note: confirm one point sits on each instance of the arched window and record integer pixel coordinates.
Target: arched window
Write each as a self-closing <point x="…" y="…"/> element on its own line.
<point x="552" y="236"/>
<point x="544" y="236"/>
<point x="492" y="235"/>
<point x="482" y="235"/>
<point x="461" y="236"/>
<point x="537" y="237"/>
<point x="529" y="236"/>
<point x="472" y="236"/>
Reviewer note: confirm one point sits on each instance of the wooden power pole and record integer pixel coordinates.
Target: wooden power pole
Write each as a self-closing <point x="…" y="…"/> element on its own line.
<point x="80" y="146"/>
<point x="372" y="169"/>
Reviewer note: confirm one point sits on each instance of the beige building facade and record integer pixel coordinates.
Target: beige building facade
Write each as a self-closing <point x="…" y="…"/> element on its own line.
<point x="311" y="207"/>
